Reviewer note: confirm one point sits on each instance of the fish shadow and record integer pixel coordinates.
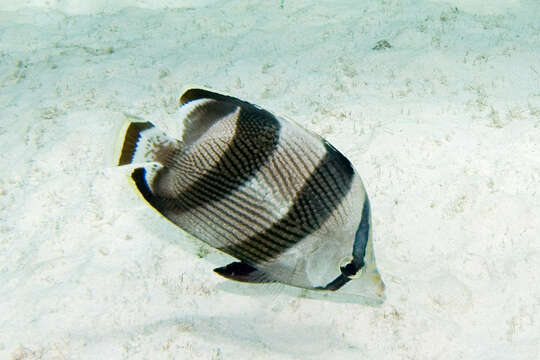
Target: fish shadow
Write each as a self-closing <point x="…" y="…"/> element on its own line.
<point x="253" y="332"/>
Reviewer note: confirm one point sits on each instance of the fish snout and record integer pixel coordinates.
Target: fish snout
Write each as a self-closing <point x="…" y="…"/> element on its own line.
<point x="367" y="284"/>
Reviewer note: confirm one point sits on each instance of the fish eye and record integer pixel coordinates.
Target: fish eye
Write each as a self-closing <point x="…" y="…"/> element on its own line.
<point x="348" y="268"/>
<point x="345" y="261"/>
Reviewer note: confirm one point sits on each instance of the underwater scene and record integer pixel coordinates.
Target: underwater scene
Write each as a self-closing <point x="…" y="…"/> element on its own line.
<point x="277" y="179"/>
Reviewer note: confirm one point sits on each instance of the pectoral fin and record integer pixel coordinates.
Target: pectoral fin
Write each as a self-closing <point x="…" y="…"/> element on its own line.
<point x="241" y="271"/>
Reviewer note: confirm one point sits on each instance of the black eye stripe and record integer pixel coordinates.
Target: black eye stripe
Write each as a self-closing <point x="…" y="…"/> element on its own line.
<point x="359" y="251"/>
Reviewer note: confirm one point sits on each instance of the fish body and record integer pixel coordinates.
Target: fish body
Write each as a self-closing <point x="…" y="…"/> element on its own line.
<point x="280" y="199"/>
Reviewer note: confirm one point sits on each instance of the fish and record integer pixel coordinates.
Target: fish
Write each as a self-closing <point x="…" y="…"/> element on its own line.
<point x="281" y="200"/>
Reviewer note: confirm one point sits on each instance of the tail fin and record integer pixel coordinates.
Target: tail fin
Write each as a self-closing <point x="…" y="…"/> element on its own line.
<point x="141" y="142"/>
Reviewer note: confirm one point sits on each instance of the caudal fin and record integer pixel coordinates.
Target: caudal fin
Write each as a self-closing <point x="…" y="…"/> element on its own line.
<point x="142" y="142"/>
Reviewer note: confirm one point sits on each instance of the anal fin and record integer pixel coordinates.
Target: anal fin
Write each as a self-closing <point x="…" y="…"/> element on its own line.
<point x="240" y="271"/>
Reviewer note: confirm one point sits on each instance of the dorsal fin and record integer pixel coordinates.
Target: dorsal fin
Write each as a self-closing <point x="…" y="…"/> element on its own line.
<point x="198" y="94"/>
<point x="201" y="109"/>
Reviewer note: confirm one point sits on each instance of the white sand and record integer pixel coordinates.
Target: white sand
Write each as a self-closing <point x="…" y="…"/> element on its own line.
<point x="444" y="128"/>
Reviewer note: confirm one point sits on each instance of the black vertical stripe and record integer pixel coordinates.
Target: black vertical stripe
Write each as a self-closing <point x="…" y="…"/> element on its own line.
<point x="320" y="190"/>
<point x="308" y="203"/>
<point x="359" y="251"/>
<point x="362" y="236"/>
<point x="331" y="189"/>
<point x="324" y="177"/>
<point x="257" y="131"/>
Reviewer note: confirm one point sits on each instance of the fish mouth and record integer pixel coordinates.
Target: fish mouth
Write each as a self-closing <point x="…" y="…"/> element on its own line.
<point x="364" y="285"/>
<point x="348" y="273"/>
<point x="369" y="284"/>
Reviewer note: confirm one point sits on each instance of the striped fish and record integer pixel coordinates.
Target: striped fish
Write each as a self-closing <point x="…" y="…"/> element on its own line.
<point x="280" y="199"/>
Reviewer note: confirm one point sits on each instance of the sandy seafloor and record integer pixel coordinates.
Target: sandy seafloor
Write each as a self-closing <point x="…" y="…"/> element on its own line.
<point x="443" y="126"/>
